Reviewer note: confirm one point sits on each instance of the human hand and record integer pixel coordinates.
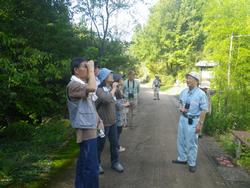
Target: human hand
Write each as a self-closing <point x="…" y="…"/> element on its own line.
<point x="198" y="128"/>
<point x="115" y="85"/>
<point x="90" y="66"/>
<point x="126" y="104"/>
<point x="183" y="110"/>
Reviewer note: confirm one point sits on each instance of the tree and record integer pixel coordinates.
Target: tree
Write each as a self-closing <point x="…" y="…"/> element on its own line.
<point x="222" y="19"/>
<point x="172" y="39"/>
<point x="98" y="13"/>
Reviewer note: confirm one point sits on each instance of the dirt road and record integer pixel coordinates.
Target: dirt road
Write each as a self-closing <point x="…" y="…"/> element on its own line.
<point x="150" y="148"/>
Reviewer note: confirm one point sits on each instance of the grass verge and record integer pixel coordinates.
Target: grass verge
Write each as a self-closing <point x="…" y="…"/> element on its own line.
<point x="30" y="155"/>
<point x="226" y="141"/>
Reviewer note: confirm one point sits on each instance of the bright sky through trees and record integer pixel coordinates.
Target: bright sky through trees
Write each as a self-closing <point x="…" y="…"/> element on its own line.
<point x="124" y="22"/>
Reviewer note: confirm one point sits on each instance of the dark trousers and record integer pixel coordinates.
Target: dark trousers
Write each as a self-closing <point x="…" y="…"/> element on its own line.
<point x="119" y="132"/>
<point x="111" y="133"/>
<point x="87" y="170"/>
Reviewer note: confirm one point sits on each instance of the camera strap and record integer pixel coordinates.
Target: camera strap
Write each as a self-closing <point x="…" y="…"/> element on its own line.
<point x="133" y="85"/>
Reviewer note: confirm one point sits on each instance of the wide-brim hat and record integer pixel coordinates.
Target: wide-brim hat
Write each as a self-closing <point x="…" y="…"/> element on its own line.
<point x="103" y="74"/>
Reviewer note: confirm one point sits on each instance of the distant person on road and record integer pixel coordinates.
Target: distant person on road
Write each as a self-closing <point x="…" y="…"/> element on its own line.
<point x="84" y="119"/>
<point x="193" y="108"/>
<point x="131" y="93"/>
<point x="156" y="87"/>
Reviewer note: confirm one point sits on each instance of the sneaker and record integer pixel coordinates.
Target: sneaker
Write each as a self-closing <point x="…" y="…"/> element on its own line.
<point x="117" y="167"/>
<point x="192" y="169"/>
<point x="101" y="171"/>
<point x="121" y="149"/>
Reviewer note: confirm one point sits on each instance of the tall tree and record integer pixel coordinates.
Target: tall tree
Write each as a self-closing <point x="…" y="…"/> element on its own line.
<point x="98" y="13"/>
<point x="227" y="24"/>
<point x="173" y="37"/>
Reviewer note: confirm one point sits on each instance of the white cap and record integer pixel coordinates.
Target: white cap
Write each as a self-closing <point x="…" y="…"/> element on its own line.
<point x="205" y="84"/>
<point x="194" y="75"/>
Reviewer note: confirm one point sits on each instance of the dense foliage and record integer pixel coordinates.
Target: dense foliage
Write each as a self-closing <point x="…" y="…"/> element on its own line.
<point x="37" y="41"/>
<point x="180" y="33"/>
<point x="172" y="39"/>
<point x="28" y="153"/>
<point x="224" y="19"/>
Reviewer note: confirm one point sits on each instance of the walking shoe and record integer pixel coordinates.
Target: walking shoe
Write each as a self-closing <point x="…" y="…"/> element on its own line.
<point x="179" y="162"/>
<point x="117" y="167"/>
<point x="192" y="169"/>
<point x="121" y="149"/>
<point x="101" y="171"/>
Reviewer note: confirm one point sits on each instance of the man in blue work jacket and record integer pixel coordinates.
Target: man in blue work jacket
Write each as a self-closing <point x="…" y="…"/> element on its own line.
<point x="194" y="105"/>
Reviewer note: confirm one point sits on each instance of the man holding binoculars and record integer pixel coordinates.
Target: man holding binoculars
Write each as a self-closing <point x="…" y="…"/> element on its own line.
<point x="194" y="105"/>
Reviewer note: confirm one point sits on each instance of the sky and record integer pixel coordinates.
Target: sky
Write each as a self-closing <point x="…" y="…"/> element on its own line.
<point x="124" y="22"/>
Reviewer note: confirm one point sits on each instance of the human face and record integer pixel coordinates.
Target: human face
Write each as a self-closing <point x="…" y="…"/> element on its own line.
<point x="82" y="71"/>
<point x="191" y="82"/>
<point x="109" y="80"/>
<point x="97" y="71"/>
<point x="131" y="77"/>
<point x="121" y="82"/>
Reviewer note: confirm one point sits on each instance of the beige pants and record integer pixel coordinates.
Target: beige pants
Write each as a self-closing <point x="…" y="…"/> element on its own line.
<point x="156" y="93"/>
<point x="131" y="111"/>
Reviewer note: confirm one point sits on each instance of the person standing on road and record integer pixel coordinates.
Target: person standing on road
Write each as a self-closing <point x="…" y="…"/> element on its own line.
<point x="105" y="105"/>
<point x="194" y="105"/>
<point x="205" y="86"/>
<point x="120" y="105"/>
<point x="156" y="87"/>
<point x="131" y="91"/>
<point x="84" y="119"/>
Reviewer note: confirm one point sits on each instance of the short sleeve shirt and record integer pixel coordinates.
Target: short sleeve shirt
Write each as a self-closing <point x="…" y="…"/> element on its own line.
<point x="196" y="98"/>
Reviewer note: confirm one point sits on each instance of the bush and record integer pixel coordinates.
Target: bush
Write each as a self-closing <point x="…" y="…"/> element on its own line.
<point x="245" y="158"/>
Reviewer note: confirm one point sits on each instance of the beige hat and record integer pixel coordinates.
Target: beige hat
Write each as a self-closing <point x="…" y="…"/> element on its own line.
<point x="195" y="75"/>
<point x="205" y="84"/>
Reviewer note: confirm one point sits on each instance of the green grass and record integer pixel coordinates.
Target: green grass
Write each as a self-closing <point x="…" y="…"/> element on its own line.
<point x="226" y="141"/>
<point x="30" y="155"/>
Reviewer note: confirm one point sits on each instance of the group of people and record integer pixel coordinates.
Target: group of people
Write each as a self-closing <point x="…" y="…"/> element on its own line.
<point x="100" y="103"/>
